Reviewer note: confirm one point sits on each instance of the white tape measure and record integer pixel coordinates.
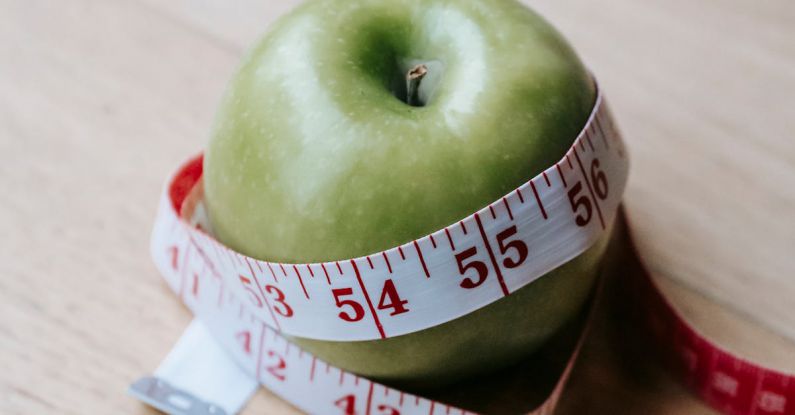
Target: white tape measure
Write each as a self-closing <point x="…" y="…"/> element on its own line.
<point x="429" y="281"/>
<point x="242" y="304"/>
<point x="245" y="302"/>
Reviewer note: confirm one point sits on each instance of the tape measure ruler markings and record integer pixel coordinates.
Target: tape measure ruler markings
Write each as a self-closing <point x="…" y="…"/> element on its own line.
<point x="192" y="259"/>
<point x="261" y="353"/>
<point x="495" y="251"/>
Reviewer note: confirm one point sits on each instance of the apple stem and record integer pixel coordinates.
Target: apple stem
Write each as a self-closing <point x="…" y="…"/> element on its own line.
<point x="413" y="80"/>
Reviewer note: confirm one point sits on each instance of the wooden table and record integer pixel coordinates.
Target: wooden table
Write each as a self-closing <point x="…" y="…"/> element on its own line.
<point x="100" y="99"/>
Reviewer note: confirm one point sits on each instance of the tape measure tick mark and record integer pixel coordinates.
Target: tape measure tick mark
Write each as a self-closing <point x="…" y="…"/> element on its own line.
<point x="301" y="281"/>
<point x="560" y="173"/>
<point x="260" y="350"/>
<point x="323" y="266"/>
<point x="182" y="269"/>
<point x="497" y="269"/>
<point x="273" y="274"/>
<point x="449" y="238"/>
<point x="312" y="369"/>
<point x="588" y="138"/>
<point x="538" y="199"/>
<point x="598" y="124"/>
<point x="386" y="259"/>
<point x="422" y="259"/>
<point x="519" y="194"/>
<point x="507" y="207"/>
<point x="174" y="254"/>
<point x="369" y="398"/>
<point x="205" y="258"/>
<point x="367" y="298"/>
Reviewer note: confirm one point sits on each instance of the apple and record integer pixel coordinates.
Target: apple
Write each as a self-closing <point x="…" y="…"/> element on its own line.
<point x="354" y="126"/>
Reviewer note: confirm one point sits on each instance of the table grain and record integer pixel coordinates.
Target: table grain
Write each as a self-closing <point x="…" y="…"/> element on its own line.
<point x="100" y="100"/>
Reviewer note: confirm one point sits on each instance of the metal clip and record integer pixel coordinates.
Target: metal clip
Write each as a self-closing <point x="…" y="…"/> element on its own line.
<point x="161" y="395"/>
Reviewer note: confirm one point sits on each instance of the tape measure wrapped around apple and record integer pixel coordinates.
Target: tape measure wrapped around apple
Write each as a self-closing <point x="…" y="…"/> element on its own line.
<point x="250" y="305"/>
<point x="349" y="154"/>
<point x="447" y="274"/>
<point x="355" y="127"/>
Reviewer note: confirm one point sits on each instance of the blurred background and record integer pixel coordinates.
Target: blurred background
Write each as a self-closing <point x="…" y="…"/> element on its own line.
<point x="100" y="100"/>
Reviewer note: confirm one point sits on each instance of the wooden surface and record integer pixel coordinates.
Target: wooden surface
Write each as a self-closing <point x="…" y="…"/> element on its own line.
<point x="100" y="99"/>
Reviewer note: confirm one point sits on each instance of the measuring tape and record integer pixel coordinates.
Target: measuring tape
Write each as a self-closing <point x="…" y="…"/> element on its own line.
<point x="244" y="305"/>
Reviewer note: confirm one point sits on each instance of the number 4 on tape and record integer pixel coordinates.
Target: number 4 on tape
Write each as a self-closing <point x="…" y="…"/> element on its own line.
<point x="196" y="366"/>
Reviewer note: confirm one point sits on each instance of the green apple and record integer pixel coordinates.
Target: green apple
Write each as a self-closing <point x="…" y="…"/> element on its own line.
<point x="323" y="151"/>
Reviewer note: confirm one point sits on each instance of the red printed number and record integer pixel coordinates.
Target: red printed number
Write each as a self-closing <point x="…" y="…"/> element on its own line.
<point x="280" y="307"/>
<point x="390" y="299"/>
<point x="599" y="180"/>
<point x="248" y="286"/>
<point x="582" y="203"/>
<point x="576" y="201"/>
<point x="356" y="308"/>
<point x="277" y="365"/>
<point x="480" y="268"/>
<point x="517" y="245"/>
<point x="397" y="304"/>
<point x="347" y="403"/>
<point x="481" y="271"/>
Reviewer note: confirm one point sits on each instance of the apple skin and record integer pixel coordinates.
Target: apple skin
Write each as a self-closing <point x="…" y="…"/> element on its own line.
<point x="315" y="157"/>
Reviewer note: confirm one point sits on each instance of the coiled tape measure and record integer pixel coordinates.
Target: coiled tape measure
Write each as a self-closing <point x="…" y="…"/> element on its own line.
<point x="243" y="305"/>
